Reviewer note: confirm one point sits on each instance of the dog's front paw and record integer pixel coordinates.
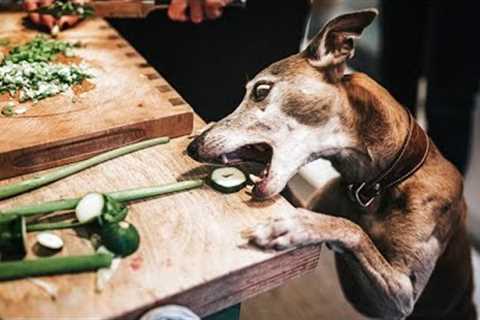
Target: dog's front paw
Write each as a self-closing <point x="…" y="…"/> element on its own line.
<point x="281" y="234"/>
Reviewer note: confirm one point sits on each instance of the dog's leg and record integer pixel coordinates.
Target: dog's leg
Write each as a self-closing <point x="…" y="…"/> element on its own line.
<point x="395" y="286"/>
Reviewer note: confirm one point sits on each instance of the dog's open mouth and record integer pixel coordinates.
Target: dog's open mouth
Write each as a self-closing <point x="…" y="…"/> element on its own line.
<point x="255" y="158"/>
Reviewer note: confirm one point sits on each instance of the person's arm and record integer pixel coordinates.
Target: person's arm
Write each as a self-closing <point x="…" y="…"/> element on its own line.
<point x="199" y="10"/>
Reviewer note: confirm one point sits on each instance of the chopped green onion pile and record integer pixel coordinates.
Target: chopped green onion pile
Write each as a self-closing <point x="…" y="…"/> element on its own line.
<point x="28" y="69"/>
<point x="38" y="80"/>
<point x="40" y="49"/>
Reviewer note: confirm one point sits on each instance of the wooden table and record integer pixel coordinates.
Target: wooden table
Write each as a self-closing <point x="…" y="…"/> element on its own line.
<point x="191" y="252"/>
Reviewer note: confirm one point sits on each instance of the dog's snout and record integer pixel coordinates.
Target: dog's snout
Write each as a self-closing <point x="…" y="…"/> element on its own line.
<point x="192" y="149"/>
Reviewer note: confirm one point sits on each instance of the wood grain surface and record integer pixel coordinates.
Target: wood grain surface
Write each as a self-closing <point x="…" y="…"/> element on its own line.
<point x="130" y="102"/>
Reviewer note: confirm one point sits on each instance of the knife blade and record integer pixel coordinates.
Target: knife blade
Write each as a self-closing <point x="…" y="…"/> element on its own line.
<point x="137" y="8"/>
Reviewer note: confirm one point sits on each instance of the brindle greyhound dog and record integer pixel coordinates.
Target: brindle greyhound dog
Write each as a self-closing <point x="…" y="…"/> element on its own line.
<point x="395" y="218"/>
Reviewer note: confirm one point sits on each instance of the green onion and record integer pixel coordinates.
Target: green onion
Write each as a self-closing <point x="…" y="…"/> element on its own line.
<point x="39" y="49"/>
<point x="121" y="196"/>
<point x="36" y="182"/>
<point x="54" y="226"/>
<point x="55" y="265"/>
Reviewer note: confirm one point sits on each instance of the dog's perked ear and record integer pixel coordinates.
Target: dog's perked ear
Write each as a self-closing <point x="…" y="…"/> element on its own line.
<point x="334" y="43"/>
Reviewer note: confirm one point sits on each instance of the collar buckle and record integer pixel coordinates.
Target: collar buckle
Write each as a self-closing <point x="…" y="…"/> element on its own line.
<point x="355" y="194"/>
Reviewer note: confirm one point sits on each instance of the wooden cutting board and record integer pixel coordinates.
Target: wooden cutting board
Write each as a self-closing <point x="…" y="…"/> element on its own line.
<point x="130" y="102"/>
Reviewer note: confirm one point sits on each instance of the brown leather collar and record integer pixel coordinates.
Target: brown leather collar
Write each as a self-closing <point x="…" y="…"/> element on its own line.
<point x="409" y="159"/>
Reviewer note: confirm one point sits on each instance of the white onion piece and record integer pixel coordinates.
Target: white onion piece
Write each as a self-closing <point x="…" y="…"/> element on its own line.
<point x="89" y="207"/>
<point x="50" y="240"/>
<point x="105" y="274"/>
<point x="49" y="288"/>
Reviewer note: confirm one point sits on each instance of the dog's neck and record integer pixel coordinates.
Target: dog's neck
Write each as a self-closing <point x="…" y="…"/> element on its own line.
<point x="380" y="125"/>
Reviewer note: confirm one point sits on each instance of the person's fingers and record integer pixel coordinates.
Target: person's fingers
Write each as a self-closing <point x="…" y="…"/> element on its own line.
<point x="30" y="5"/>
<point x="214" y="8"/>
<point x="196" y="10"/>
<point x="68" y="21"/>
<point x="177" y="10"/>
<point x="44" y="3"/>
<point x="213" y="13"/>
<point x="48" y="20"/>
<point x="35" y="17"/>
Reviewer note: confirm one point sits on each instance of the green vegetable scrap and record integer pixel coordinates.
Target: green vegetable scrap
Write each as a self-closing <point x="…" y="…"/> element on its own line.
<point x="40" y="49"/>
<point x="61" y="8"/>
<point x="113" y="211"/>
<point x="8" y="110"/>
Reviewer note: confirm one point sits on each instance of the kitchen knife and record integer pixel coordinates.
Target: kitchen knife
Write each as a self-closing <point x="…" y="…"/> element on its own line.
<point x="137" y="9"/>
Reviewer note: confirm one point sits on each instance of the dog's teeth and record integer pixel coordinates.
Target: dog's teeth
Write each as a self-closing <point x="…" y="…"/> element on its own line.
<point x="264" y="172"/>
<point x="254" y="178"/>
<point x="224" y="159"/>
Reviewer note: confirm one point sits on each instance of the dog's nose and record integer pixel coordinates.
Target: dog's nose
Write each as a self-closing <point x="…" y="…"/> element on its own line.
<point x="192" y="149"/>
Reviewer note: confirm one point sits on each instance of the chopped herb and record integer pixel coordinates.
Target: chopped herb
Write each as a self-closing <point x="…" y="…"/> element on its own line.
<point x="4" y="42"/>
<point x="61" y="8"/>
<point x="38" y="80"/>
<point x="39" y="49"/>
<point x="8" y="111"/>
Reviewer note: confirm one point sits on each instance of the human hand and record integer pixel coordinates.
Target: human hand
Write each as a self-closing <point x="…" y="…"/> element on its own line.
<point x="199" y="10"/>
<point x="49" y="20"/>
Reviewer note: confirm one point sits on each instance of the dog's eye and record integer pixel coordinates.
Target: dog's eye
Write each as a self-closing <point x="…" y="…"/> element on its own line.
<point x="261" y="91"/>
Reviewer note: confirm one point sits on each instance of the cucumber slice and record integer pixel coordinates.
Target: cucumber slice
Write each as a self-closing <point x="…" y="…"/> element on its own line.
<point x="228" y="179"/>
<point x="120" y="238"/>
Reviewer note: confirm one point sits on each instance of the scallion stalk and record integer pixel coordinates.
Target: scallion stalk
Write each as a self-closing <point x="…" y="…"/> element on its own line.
<point x="55" y="265"/>
<point x="121" y="196"/>
<point x="54" y="226"/>
<point x="36" y="182"/>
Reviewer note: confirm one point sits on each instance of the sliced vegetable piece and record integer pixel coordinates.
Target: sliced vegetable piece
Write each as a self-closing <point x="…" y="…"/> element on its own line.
<point x="90" y="207"/>
<point x="55" y="265"/>
<point x="120" y="238"/>
<point x="50" y="240"/>
<point x="228" y="179"/>
<point x="12" y="237"/>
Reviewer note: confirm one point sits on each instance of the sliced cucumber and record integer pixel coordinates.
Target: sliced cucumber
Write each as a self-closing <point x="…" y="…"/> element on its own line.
<point x="228" y="179"/>
<point x="120" y="238"/>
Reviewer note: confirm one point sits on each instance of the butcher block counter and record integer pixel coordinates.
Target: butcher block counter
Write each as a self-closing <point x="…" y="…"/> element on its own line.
<point x="191" y="253"/>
